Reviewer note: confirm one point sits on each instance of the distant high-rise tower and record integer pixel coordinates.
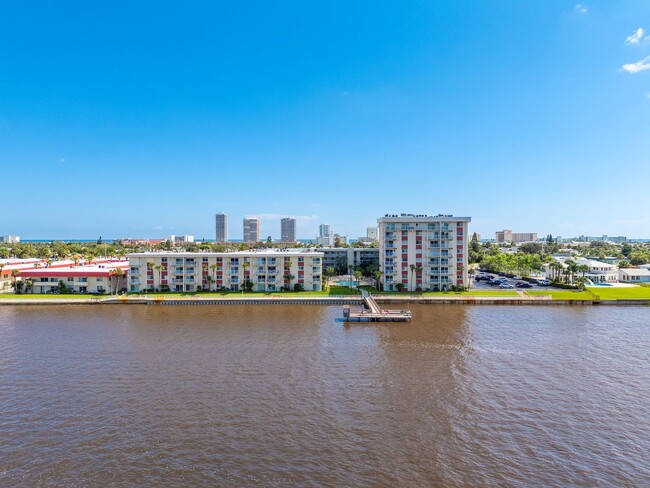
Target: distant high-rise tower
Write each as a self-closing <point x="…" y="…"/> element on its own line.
<point x="288" y="230"/>
<point x="251" y="230"/>
<point x="221" y="221"/>
<point x="324" y="230"/>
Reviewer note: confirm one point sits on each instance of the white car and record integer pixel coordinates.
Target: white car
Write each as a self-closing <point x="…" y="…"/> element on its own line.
<point x="543" y="282"/>
<point x="506" y="286"/>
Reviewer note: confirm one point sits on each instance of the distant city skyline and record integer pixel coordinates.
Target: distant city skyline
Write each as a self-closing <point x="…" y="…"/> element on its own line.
<point x="523" y="115"/>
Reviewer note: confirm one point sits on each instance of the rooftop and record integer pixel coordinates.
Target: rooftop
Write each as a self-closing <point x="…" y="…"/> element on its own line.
<point x="251" y="252"/>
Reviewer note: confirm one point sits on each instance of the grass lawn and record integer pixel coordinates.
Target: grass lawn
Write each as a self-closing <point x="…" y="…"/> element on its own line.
<point x="563" y="294"/>
<point x="470" y="293"/>
<point x="331" y="291"/>
<point x="477" y="293"/>
<point x="616" y="293"/>
<point x="42" y="296"/>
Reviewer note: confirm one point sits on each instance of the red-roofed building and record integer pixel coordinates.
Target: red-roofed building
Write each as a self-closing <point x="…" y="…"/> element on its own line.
<point x="94" y="278"/>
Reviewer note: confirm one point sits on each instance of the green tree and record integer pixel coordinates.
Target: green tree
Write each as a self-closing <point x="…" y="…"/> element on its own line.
<point x="213" y="268"/>
<point x="418" y="274"/>
<point x="357" y="276"/>
<point x="377" y="275"/>
<point x="115" y="275"/>
<point x="412" y="268"/>
<point x="246" y="281"/>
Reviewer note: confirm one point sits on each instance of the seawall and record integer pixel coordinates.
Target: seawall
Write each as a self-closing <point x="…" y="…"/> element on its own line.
<point x="342" y="300"/>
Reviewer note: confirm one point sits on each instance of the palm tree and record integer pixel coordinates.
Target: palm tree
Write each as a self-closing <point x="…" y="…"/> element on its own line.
<point x="159" y="269"/>
<point x="14" y="275"/>
<point x="290" y="277"/>
<point x="572" y="269"/>
<point x="412" y="266"/>
<point x="116" y="274"/>
<point x="350" y="268"/>
<point x="471" y="271"/>
<point x="584" y="269"/>
<point x="377" y="274"/>
<point x="213" y="267"/>
<point x="418" y="271"/>
<point x="357" y="275"/>
<point x="205" y="278"/>
<point x="244" y="265"/>
<point x="48" y="263"/>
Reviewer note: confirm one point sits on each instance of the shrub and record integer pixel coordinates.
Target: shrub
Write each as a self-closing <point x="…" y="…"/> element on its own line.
<point x="298" y="287"/>
<point x="564" y="286"/>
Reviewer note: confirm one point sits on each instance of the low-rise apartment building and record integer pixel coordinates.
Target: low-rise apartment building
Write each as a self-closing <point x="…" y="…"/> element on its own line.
<point x="423" y="252"/>
<point x="266" y="270"/>
<point x="89" y="278"/>
<point x="334" y="257"/>
<point x="11" y="268"/>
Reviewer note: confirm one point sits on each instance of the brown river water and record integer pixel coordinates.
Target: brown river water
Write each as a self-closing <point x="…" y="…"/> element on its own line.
<point x="277" y="395"/>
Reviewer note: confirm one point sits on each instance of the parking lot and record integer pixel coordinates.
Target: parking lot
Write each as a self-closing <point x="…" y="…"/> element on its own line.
<point x="482" y="285"/>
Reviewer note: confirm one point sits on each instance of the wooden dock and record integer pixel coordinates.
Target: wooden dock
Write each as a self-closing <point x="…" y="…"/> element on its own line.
<point x="371" y="312"/>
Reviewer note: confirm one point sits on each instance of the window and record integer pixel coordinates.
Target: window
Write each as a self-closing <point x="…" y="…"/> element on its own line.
<point x="163" y="260"/>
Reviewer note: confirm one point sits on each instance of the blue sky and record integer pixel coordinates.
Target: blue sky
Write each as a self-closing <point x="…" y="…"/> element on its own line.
<point x="144" y="119"/>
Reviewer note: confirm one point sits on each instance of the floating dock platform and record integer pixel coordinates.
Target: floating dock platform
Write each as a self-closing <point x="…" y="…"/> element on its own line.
<point x="371" y="312"/>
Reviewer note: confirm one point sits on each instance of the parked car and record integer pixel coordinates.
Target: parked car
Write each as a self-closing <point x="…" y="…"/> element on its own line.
<point x="534" y="281"/>
<point x="506" y="286"/>
<point x="497" y="281"/>
<point x="509" y="275"/>
<point x="543" y="282"/>
<point x="523" y="284"/>
<point x="483" y="278"/>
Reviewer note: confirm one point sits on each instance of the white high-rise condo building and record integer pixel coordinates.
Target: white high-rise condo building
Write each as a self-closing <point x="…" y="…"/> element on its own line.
<point x="251" y="230"/>
<point x="288" y="230"/>
<point x="423" y="252"/>
<point x="221" y="221"/>
<point x="325" y="235"/>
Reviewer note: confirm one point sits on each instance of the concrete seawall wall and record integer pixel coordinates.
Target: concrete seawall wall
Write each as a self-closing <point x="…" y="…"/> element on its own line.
<point x="315" y="301"/>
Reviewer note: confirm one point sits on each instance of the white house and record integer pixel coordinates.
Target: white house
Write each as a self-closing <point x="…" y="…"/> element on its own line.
<point x="634" y="275"/>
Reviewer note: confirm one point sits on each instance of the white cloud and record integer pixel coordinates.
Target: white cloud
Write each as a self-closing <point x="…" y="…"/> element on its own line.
<point x="637" y="67"/>
<point x="636" y="37"/>
<point x="580" y="8"/>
